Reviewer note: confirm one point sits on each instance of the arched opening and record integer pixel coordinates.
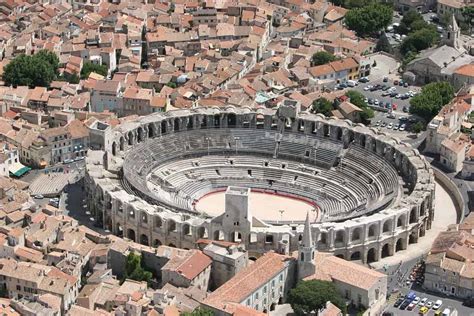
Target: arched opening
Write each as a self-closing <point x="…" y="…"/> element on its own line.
<point x="236" y="237"/>
<point x="176" y="124"/>
<point x="340" y="256"/>
<point x="356" y="235"/>
<point x="151" y="131"/>
<point x="413" y="216"/>
<point x="355" y="255"/>
<point x="422" y="230"/>
<point x="171" y="225"/>
<point x="326" y="130"/>
<point x="340" y="236"/>
<point x="140" y="134"/>
<point x="131" y="234"/>
<point x="217" y="120"/>
<point x="413" y="238"/>
<point x="144" y="239"/>
<point x="130" y="138"/>
<point x="401" y="221"/>
<point x="144" y="218"/>
<point x="163" y="127"/>
<point x="114" y="148"/>
<point x="385" y="250"/>
<point x="253" y="258"/>
<point x="186" y="230"/>
<point x="190" y="124"/>
<point x="399" y="245"/>
<point x="204" y="122"/>
<point x="119" y="231"/>
<point x="371" y="255"/>
<point x="202" y="232"/>
<point x="362" y="140"/>
<point x="272" y="307"/>
<point x="339" y="133"/>
<point x="156" y="243"/>
<point x="324" y="238"/>
<point x="387" y="226"/>
<point x="422" y="209"/>
<point x="158" y="222"/>
<point x="218" y="235"/>
<point x="231" y="120"/>
<point x="372" y="230"/>
<point x="171" y="245"/>
<point x="122" y="143"/>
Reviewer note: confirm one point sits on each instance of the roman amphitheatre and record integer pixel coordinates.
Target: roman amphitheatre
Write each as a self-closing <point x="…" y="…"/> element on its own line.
<point x="251" y="175"/>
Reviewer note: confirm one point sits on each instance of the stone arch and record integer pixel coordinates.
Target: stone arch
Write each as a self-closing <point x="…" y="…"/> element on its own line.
<point x="401" y="220"/>
<point x="157" y="243"/>
<point x="399" y="245"/>
<point x="217" y="120"/>
<point x="114" y="148"/>
<point x="144" y="218"/>
<point x="119" y="230"/>
<point x="362" y="140"/>
<point x="158" y="222"/>
<point x="130" y="138"/>
<point x="131" y="234"/>
<point x="171" y="245"/>
<point x="340" y="255"/>
<point x="340" y="236"/>
<point x="151" y="131"/>
<point x="413" y="238"/>
<point x="204" y="122"/>
<point x="387" y="226"/>
<point x="422" y="209"/>
<point x="171" y="225"/>
<point x="355" y="255"/>
<point x="202" y="232"/>
<point x="144" y="239"/>
<point x="326" y="130"/>
<point x="372" y="231"/>
<point x="339" y="133"/>
<point x="236" y="236"/>
<point x="190" y="123"/>
<point x="164" y="127"/>
<point x="186" y="229"/>
<point x="371" y="255"/>
<point x="140" y="134"/>
<point x="386" y="250"/>
<point x="231" y="120"/>
<point x="218" y="235"/>
<point x="324" y="238"/>
<point x="356" y="234"/>
<point x="413" y="218"/>
<point x="176" y="124"/>
<point x="122" y="143"/>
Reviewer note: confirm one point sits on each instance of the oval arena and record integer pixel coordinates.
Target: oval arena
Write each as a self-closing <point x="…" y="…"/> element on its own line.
<point x="368" y="194"/>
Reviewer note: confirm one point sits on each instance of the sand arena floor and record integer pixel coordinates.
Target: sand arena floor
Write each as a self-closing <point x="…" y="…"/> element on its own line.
<point x="265" y="206"/>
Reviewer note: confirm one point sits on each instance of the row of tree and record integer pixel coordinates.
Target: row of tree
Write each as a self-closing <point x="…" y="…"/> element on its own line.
<point x="420" y="34"/>
<point x="432" y="98"/>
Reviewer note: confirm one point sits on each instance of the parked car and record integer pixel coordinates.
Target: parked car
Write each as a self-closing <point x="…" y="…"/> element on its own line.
<point x="385" y="79"/>
<point x="405" y="109"/>
<point x="391" y="115"/>
<point x="371" y="101"/>
<point x="423" y="310"/>
<point x="390" y="125"/>
<point x="394" y="106"/>
<point x="398" y="302"/>
<point x="66" y="161"/>
<point x="411" y="306"/>
<point x="400" y="83"/>
<point x="396" y="127"/>
<point x="367" y="88"/>
<point x="395" y="82"/>
<point x="384" y="124"/>
<point x="437" y="304"/>
<point x="364" y="80"/>
<point x="388" y="105"/>
<point x="405" y="84"/>
<point x="405" y="304"/>
<point x="393" y="94"/>
<point x="423" y="302"/>
<point x="39" y="196"/>
<point x="402" y="127"/>
<point x="429" y="304"/>
<point x="416" y="300"/>
<point x="385" y="93"/>
<point x="376" y="102"/>
<point x="385" y="87"/>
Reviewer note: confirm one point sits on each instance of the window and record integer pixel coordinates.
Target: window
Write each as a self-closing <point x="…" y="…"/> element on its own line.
<point x="256" y="296"/>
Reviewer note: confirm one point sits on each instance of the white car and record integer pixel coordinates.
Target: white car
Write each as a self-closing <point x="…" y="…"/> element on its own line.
<point x="389" y="126"/>
<point x="416" y="300"/>
<point x="39" y="196"/>
<point x="402" y="127"/>
<point x="376" y="102"/>
<point x="429" y="304"/>
<point x="367" y="88"/>
<point x="423" y="302"/>
<point x="437" y="304"/>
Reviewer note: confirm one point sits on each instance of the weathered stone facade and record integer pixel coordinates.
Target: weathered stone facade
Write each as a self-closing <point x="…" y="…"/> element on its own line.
<point x="151" y="219"/>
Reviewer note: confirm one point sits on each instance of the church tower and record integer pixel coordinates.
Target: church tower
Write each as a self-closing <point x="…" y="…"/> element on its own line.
<point x="306" y="251"/>
<point x="453" y="34"/>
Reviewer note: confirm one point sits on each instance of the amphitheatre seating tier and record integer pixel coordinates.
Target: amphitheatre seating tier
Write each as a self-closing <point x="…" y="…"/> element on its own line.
<point x="178" y="168"/>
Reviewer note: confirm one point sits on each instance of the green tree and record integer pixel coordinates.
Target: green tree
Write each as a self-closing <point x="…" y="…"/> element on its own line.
<point x="89" y="67"/>
<point x="418" y="127"/>
<point x="369" y="19"/>
<point x="199" y="312"/>
<point x="432" y="98"/>
<point x="322" y="105"/>
<point x="409" y="18"/>
<point x="419" y="40"/>
<point x="322" y="57"/>
<point x="358" y="100"/>
<point x="32" y="70"/>
<point x="383" y="44"/>
<point x="468" y="15"/>
<point x="310" y="296"/>
<point x="134" y="269"/>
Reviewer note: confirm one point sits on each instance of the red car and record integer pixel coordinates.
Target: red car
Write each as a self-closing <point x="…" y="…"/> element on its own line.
<point x="394" y="106"/>
<point x="395" y="82"/>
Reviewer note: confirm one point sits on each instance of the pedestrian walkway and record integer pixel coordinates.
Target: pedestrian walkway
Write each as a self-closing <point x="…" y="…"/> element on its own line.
<point x="445" y="215"/>
<point x="51" y="184"/>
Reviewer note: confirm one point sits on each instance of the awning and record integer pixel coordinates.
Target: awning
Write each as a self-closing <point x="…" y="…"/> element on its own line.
<point x="17" y="169"/>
